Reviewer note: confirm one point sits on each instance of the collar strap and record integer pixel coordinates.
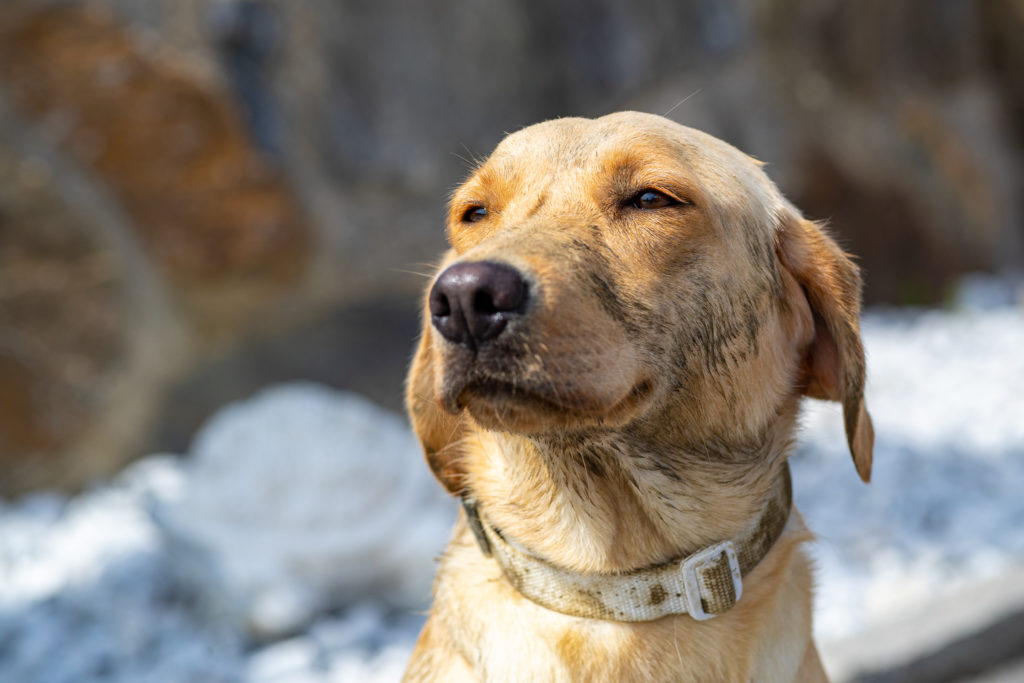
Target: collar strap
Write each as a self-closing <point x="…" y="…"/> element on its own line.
<point x="703" y="584"/>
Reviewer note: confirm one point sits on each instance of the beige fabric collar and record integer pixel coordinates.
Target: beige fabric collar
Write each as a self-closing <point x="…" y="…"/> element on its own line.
<point x="703" y="584"/>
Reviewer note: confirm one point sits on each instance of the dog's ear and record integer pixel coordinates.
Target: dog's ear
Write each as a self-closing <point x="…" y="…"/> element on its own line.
<point x="833" y="364"/>
<point x="440" y="433"/>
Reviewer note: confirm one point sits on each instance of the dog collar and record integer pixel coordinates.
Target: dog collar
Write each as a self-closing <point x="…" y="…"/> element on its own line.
<point x="703" y="584"/>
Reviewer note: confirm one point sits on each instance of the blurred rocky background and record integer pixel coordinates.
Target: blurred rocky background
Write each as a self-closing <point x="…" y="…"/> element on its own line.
<point x="201" y="197"/>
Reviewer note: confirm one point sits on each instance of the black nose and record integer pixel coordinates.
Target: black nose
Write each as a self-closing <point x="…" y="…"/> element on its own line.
<point x="472" y="302"/>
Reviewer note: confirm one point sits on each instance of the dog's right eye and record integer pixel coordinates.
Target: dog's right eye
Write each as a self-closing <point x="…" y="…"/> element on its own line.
<point x="474" y="213"/>
<point x="651" y="199"/>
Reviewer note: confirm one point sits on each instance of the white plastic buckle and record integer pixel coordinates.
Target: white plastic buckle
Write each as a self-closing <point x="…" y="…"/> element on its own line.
<point x="697" y="561"/>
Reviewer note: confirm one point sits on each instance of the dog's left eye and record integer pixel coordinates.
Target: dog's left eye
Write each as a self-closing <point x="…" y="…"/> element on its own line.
<point x="651" y="199"/>
<point x="474" y="213"/>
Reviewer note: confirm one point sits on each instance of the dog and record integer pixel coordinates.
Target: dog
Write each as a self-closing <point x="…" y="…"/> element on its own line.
<point x="613" y="355"/>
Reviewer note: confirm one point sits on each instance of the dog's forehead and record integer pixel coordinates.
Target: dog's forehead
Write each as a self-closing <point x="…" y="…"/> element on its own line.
<point x="578" y="142"/>
<point x="630" y="139"/>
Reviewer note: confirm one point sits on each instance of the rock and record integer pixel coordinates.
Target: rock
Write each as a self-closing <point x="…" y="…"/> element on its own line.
<point x="141" y="232"/>
<point x="218" y="220"/>
<point x="85" y="343"/>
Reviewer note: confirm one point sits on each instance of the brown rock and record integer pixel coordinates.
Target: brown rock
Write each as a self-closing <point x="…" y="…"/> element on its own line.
<point x="213" y="215"/>
<point x="63" y="324"/>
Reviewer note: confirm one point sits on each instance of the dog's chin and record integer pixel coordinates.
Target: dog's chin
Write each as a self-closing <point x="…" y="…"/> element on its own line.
<point x="521" y="408"/>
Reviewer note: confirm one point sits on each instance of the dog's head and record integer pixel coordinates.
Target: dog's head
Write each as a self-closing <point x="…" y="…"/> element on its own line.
<point x="610" y="273"/>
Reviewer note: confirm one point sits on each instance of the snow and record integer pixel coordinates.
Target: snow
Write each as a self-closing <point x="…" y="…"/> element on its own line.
<point x="86" y="594"/>
<point x="303" y="498"/>
<point x="295" y="542"/>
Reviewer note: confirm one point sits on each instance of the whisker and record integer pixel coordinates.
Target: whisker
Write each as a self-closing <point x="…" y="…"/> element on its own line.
<point x="680" y="102"/>
<point x="462" y="159"/>
<point x="411" y="272"/>
<point x="477" y="161"/>
<point x="473" y="162"/>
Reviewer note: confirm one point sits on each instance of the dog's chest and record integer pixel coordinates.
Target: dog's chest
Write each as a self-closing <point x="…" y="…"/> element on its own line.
<point x="505" y="637"/>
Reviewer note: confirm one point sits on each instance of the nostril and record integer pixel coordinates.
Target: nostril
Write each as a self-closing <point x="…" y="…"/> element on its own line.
<point x="483" y="303"/>
<point x="439" y="304"/>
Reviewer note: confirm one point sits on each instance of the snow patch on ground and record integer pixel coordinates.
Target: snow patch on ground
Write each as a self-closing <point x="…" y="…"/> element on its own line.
<point x="300" y="499"/>
<point x="121" y="581"/>
<point x="86" y="594"/>
<point x="303" y="512"/>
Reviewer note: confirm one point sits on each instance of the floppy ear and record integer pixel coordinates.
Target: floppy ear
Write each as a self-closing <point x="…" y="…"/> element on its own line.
<point x="440" y="433"/>
<point x="833" y="364"/>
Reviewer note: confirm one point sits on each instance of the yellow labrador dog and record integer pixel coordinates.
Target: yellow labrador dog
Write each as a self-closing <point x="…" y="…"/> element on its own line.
<point x="613" y="356"/>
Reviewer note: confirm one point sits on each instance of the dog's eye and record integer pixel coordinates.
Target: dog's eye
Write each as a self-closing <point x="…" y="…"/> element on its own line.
<point x="651" y="199"/>
<point x="474" y="213"/>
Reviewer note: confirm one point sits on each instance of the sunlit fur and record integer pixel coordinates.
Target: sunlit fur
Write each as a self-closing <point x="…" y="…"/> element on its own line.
<point x="641" y="407"/>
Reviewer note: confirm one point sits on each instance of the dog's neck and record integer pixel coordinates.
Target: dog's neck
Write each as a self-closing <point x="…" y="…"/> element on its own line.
<point x="593" y="504"/>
